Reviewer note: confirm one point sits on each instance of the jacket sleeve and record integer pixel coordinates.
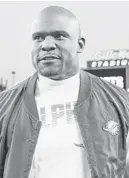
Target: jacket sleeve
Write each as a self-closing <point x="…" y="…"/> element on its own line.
<point x="3" y="127"/>
<point x="124" y="95"/>
<point x="7" y="103"/>
<point x="121" y="98"/>
<point x="8" y="100"/>
<point x="127" y="139"/>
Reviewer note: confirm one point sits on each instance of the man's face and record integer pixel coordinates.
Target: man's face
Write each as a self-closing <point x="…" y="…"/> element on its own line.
<point x="55" y="46"/>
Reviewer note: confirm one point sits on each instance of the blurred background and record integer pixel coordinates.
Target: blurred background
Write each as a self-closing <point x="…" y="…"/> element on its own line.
<point x="105" y="25"/>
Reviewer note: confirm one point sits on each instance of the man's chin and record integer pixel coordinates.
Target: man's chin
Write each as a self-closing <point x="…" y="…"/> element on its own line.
<point x="50" y="74"/>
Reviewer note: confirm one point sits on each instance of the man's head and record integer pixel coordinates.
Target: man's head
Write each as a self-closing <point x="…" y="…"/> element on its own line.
<point x="56" y="43"/>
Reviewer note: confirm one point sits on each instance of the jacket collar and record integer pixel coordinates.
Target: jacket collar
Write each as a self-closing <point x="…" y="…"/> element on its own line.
<point x="29" y="95"/>
<point x="85" y="87"/>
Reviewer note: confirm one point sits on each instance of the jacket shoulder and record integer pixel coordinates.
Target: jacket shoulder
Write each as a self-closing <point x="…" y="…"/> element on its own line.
<point x="7" y="96"/>
<point x="116" y="95"/>
<point x="109" y="87"/>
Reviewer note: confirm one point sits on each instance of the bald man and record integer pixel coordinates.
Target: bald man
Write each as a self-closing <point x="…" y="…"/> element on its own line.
<point x="61" y="32"/>
<point x="62" y="122"/>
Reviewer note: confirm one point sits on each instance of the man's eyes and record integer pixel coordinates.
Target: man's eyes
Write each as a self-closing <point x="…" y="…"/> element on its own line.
<point x="38" y="38"/>
<point x="59" y="36"/>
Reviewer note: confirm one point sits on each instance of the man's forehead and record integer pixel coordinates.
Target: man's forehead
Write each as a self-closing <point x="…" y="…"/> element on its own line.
<point x="55" y="18"/>
<point x="56" y="23"/>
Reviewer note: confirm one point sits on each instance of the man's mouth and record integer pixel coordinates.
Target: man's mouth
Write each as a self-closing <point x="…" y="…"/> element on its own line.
<point x="49" y="58"/>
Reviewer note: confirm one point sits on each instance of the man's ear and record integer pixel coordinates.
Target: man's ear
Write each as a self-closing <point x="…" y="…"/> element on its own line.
<point x="81" y="44"/>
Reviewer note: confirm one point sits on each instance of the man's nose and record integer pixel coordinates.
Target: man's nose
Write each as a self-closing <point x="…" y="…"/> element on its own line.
<point x="48" y="44"/>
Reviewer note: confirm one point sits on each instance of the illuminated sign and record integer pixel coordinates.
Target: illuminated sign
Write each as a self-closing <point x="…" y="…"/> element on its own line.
<point x="111" y="65"/>
<point x="116" y="80"/>
<point x="115" y="75"/>
<point x="112" y="54"/>
<point x="110" y="58"/>
<point x="108" y="63"/>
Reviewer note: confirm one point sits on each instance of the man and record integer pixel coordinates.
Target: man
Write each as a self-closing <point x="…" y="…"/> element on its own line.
<point x="62" y="122"/>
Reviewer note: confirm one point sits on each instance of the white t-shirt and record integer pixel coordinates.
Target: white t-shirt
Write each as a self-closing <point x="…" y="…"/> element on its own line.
<point x="59" y="151"/>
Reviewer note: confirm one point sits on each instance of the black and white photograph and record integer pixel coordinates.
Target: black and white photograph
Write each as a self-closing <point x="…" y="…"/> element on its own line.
<point x="64" y="89"/>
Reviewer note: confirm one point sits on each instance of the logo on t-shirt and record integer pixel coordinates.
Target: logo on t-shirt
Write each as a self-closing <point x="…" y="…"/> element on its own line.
<point x="54" y="114"/>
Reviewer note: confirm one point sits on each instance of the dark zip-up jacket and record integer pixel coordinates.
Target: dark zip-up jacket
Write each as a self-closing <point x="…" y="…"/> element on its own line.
<point x="102" y="112"/>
